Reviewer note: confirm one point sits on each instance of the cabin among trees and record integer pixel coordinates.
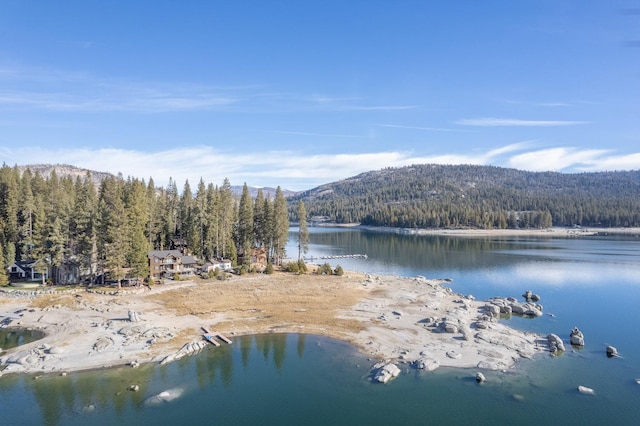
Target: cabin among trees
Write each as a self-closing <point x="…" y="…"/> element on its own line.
<point x="27" y="271"/>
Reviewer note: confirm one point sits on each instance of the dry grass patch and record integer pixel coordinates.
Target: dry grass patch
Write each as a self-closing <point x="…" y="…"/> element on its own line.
<point x="278" y="302"/>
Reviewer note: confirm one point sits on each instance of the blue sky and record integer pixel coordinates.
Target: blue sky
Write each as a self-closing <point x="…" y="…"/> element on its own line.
<point x="300" y="93"/>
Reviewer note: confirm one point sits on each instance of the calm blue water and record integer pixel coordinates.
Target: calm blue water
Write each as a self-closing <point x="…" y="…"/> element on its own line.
<point x="293" y="379"/>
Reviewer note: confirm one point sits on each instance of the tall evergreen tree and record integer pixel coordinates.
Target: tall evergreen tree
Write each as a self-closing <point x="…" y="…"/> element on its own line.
<point x="4" y="277"/>
<point x="226" y="220"/>
<point x="83" y="224"/>
<point x="112" y="241"/>
<point x="303" y="231"/>
<point x="200" y="219"/>
<point x="187" y="223"/>
<point x="245" y="232"/>
<point x="212" y="237"/>
<point x="259" y="220"/>
<point x="8" y="211"/>
<point x="280" y="226"/>
<point x="136" y="207"/>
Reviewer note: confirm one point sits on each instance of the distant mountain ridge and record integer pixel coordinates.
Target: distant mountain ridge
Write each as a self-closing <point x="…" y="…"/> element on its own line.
<point x="65" y="170"/>
<point x="431" y="195"/>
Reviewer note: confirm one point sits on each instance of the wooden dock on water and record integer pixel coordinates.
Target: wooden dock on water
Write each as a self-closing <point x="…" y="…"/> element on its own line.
<point x="209" y="336"/>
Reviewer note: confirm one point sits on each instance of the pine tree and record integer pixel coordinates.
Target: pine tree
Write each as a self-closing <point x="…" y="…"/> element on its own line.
<point x="211" y="234"/>
<point x="9" y="211"/>
<point x="245" y="226"/>
<point x="303" y="231"/>
<point x="137" y="249"/>
<point x="83" y="224"/>
<point x="200" y="219"/>
<point x="112" y="241"/>
<point x="259" y="220"/>
<point x="187" y="223"/>
<point x="4" y="278"/>
<point x="226" y="220"/>
<point x="280" y="226"/>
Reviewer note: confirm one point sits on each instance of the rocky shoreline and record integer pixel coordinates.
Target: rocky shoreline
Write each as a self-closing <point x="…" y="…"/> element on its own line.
<point x="416" y="321"/>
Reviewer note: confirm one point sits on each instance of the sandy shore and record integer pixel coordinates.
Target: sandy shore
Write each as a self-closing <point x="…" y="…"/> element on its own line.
<point x="389" y="318"/>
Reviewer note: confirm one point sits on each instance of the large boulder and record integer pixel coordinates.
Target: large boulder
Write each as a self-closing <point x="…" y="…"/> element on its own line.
<point x="555" y="343"/>
<point x="586" y="391"/>
<point x="576" y="338"/>
<point x="530" y="296"/>
<point x="428" y="364"/>
<point x="386" y="373"/>
<point x="612" y="351"/>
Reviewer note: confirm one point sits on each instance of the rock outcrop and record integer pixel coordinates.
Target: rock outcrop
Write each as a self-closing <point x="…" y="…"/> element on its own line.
<point x="385" y="373"/>
<point x="511" y="305"/>
<point x="576" y="338"/>
<point x="555" y="343"/>
<point x="586" y="391"/>
<point x="612" y="351"/>
<point x="428" y="364"/>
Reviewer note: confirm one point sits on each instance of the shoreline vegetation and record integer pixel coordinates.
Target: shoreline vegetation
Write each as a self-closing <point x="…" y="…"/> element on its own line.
<point x="388" y="318"/>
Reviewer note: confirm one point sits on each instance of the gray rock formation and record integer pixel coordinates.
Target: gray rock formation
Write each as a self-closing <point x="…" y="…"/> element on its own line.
<point x="510" y="305"/>
<point x="612" y="351"/>
<point x="586" y="391"/>
<point x="428" y="364"/>
<point x="480" y="377"/>
<point x="576" y="338"/>
<point x="386" y="373"/>
<point x="187" y="349"/>
<point x="555" y="343"/>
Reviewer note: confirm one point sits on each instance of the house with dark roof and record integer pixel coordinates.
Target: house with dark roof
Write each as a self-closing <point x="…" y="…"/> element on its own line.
<point x="26" y="270"/>
<point x="165" y="263"/>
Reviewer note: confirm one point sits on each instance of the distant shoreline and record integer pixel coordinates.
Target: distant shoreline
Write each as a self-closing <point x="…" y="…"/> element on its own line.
<point x="555" y="231"/>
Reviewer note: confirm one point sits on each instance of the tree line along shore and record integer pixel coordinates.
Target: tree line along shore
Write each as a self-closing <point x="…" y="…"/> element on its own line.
<point x="78" y="230"/>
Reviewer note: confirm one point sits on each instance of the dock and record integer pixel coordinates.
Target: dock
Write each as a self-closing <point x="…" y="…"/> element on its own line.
<point x="224" y="339"/>
<point x="209" y="336"/>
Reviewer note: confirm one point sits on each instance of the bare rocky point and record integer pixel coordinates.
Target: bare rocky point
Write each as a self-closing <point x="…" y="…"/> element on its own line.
<point x="416" y="321"/>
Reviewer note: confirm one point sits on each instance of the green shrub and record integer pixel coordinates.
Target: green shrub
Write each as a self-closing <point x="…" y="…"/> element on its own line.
<point x="324" y="269"/>
<point x="339" y="271"/>
<point x="292" y="267"/>
<point x="269" y="269"/>
<point x="302" y="267"/>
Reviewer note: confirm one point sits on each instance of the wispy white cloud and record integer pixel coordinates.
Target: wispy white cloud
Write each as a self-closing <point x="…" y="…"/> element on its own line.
<point x="324" y="135"/>
<point x="512" y="122"/>
<point x="435" y="129"/>
<point x="558" y="159"/>
<point x="115" y="99"/>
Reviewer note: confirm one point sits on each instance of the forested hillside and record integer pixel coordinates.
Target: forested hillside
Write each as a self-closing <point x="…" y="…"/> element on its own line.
<point x="427" y="196"/>
<point x="77" y="227"/>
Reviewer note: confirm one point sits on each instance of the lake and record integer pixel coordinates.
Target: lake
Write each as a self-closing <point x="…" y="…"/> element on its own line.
<point x="592" y="283"/>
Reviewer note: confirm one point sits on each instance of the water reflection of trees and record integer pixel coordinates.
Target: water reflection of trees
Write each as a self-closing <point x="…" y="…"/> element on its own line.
<point x="425" y="251"/>
<point x="97" y="392"/>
